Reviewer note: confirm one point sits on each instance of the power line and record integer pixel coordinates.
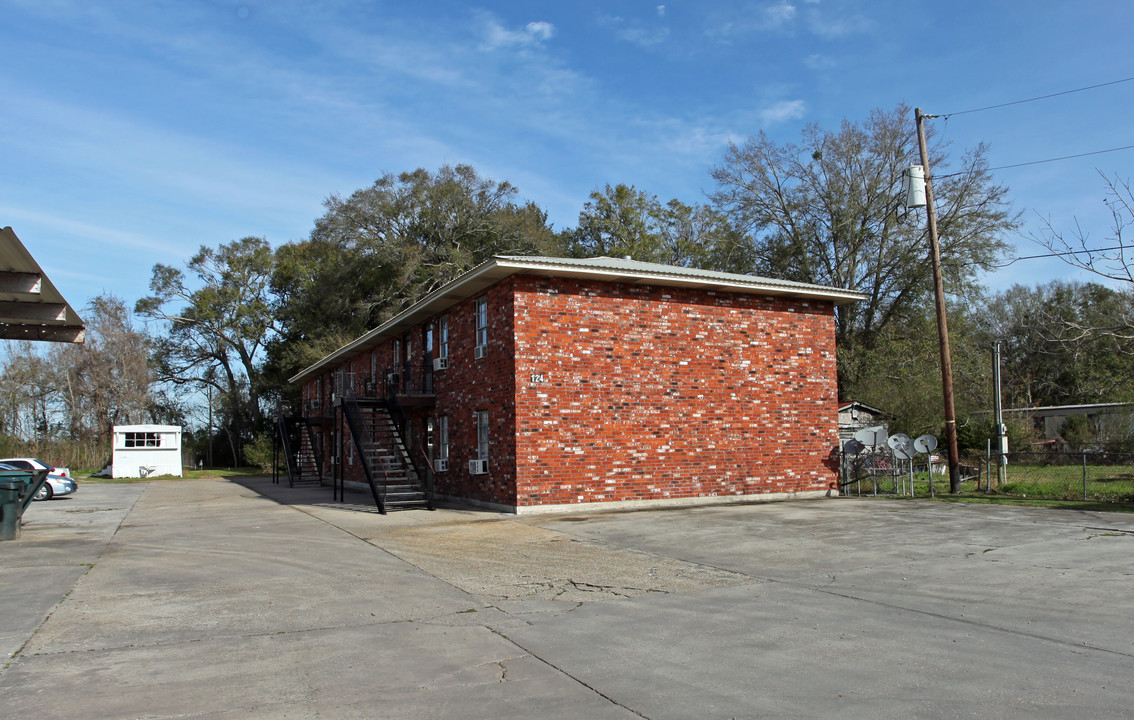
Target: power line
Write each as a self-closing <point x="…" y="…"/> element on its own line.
<point x="1040" y="162"/>
<point x="1065" y="157"/>
<point x="1041" y="97"/>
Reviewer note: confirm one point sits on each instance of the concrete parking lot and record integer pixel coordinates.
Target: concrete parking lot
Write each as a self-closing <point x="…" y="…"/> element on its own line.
<point x="226" y="599"/>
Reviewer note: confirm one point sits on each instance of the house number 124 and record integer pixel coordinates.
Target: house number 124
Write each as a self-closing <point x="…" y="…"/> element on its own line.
<point x="539" y="378"/>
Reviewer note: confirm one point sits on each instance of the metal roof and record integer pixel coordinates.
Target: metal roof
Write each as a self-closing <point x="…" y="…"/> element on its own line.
<point x="30" y="306"/>
<point x="1073" y="409"/>
<point x="598" y="268"/>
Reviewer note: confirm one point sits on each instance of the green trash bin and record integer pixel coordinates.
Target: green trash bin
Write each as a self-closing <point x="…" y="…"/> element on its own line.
<point x="11" y="507"/>
<point x="17" y="489"/>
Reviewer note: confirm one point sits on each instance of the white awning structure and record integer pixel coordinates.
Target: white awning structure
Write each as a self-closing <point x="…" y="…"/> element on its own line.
<point x="30" y="306"/>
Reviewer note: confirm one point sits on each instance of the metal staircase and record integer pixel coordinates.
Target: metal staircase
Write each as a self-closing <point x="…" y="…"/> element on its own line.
<point x="382" y="453"/>
<point x="310" y="458"/>
<point x="301" y="454"/>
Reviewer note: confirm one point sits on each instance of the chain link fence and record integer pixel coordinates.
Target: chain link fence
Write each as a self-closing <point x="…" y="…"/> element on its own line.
<point x="1081" y="476"/>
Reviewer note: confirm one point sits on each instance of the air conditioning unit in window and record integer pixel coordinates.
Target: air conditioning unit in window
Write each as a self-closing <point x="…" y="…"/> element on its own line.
<point x="441" y="363"/>
<point x="441" y="464"/>
<point x="480" y="351"/>
<point x="478" y="467"/>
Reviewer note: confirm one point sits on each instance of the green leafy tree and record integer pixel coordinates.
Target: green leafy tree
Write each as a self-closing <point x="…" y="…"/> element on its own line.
<point x="901" y="375"/>
<point x="624" y="221"/>
<point x="384" y="247"/>
<point x="1078" y="432"/>
<point x="213" y="327"/>
<point x="1062" y="343"/>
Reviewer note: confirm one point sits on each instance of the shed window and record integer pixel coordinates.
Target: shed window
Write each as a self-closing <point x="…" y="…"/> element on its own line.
<point x="143" y="439"/>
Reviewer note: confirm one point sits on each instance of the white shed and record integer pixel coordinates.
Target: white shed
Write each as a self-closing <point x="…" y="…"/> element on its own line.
<point x="145" y="450"/>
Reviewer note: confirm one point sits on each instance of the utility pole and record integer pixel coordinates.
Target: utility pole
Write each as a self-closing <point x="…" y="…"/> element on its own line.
<point x="210" y="451"/>
<point x="998" y="411"/>
<point x="942" y="323"/>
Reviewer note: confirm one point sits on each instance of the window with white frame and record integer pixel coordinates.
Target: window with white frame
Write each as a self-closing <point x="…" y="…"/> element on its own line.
<point x="443" y="438"/>
<point x="481" y="326"/>
<point x="143" y="439"/>
<point x="482" y="434"/>
<point x="443" y="336"/>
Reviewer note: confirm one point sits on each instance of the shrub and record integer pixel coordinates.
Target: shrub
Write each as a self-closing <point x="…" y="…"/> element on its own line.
<point x="258" y="453"/>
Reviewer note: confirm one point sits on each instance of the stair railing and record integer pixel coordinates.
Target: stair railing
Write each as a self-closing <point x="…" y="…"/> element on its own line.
<point x="405" y="431"/>
<point x="316" y="450"/>
<point x="285" y="446"/>
<point x="357" y="425"/>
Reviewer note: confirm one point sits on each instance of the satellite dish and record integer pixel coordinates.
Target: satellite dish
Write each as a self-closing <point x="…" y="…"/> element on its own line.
<point x="871" y="436"/>
<point x="897" y="440"/>
<point x="925" y="444"/>
<point x="853" y="447"/>
<point x="902" y="446"/>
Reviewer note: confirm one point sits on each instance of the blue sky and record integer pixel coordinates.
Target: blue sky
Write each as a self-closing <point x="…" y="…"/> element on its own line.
<point x="134" y="132"/>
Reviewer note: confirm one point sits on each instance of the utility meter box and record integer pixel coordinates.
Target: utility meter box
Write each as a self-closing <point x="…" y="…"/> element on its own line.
<point x="146" y="450"/>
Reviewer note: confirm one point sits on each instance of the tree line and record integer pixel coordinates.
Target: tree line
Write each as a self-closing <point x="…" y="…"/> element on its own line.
<point x="241" y="317"/>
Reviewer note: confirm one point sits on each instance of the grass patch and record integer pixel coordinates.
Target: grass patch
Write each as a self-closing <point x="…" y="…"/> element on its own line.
<point x="207" y="473"/>
<point x="1106" y="486"/>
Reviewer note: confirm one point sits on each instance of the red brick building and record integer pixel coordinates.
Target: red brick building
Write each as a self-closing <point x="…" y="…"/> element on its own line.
<point x="530" y="383"/>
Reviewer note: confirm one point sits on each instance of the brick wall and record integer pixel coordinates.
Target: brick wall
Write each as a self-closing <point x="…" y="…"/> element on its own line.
<point x="472" y="384"/>
<point x="603" y="391"/>
<point x="627" y="392"/>
<point x="469" y="384"/>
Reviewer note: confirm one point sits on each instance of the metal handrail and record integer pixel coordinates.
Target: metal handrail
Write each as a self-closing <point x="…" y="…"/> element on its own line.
<point x="285" y="442"/>
<point x="405" y="432"/>
<point x="355" y="423"/>
<point x="316" y="450"/>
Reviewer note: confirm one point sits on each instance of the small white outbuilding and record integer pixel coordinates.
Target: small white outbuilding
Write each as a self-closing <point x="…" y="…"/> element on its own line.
<point x="144" y="450"/>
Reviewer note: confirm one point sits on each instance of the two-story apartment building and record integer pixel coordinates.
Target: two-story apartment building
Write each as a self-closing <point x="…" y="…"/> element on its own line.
<point x="531" y="383"/>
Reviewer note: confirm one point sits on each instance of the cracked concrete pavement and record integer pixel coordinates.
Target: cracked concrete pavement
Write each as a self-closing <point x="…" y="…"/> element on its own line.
<point x="218" y="599"/>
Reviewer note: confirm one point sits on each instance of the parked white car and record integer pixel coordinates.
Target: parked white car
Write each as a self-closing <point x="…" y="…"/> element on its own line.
<point x="57" y="484"/>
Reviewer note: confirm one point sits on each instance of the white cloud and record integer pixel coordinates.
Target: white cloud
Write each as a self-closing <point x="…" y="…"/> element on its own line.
<point x="783" y="111"/>
<point x="496" y="36"/>
<point x="819" y="62"/>
<point x="786" y="17"/>
<point x="638" y="32"/>
<point x="540" y="29"/>
<point x="644" y="37"/>
<point x="779" y="15"/>
<point x="829" y="26"/>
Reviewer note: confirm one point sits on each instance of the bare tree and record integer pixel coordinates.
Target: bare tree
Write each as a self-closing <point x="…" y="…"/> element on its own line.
<point x="105" y="381"/>
<point x="1113" y="260"/>
<point x="27" y="391"/>
<point x="826" y="211"/>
